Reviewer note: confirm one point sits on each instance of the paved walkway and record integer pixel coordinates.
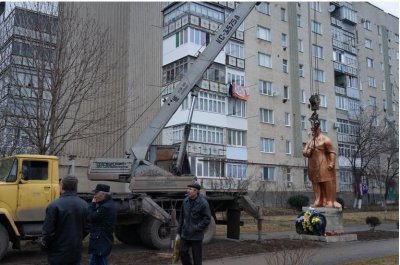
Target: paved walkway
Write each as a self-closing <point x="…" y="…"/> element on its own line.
<point x="331" y="254"/>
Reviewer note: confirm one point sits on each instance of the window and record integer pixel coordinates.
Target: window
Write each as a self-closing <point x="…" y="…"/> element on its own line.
<point x="210" y="103"/>
<point x="322" y="101"/>
<point x="264" y="60"/>
<point x="263" y="8"/>
<point x="286" y="92"/>
<point x="299" y="21"/>
<point x="306" y="179"/>
<point x="235" y="50"/>
<point x="368" y="43"/>
<point x="174" y="71"/>
<point x="265" y="87"/>
<point x="318" y="51"/>
<point x="319" y="75"/>
<point x="283" y="14"/>
<point x="235" y="78"/>
<point x="216" y="72"/>
<point x="380" y="48"/>
<point x="371" y="81"/>
<point x="264" y="33"/>
<point x="303" y="122"/>
<point x="181" y="37"/>
<point x="302" y="96"/>
<point x="367" y="24"/>
<point x="341" y="103"/>
<point x="316" y="27"/>
<point x="267" y="116"/>
<point x="287" y="119"/>
<point x="35" y="170"/>
<point x="383" y="85"/>
<point x="289" y="177"/>
<point x="268" y="173"/>
<point x="396" y="38"/>
<point x="236" y="138"/>
<point x="284" y="40"/>
<point x="236" y="171"/>
<point x="237" y="107"/>
<point x="301" y="70"/>
<point x="267" y="145"/>
<point x="323" y="125"/>
<point x="285" y="66"/>
<point x="316" y="6"/>
<point x="198" y="37"/>
<point x="346" y="180"/>
<point x="301" y="46"/>
<point x="370" y="63"/>
<point x="288" y="147"/>
<point x="372" y="101"/>
<point x="206" y="134"/>
<point x="209" y="168"/>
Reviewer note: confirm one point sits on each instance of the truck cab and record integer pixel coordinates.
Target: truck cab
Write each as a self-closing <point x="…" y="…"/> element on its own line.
<point x="28" y="183"/>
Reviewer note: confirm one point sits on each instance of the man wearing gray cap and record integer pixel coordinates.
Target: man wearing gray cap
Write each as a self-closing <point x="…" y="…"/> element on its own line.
<point x="102" y="218"/>
<point x="193" y="220"/>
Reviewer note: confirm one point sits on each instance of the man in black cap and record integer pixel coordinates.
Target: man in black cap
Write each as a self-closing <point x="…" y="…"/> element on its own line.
<point x="194" y="219"/>
<point x="102" y="217"/>
<point x="65" y="217"/>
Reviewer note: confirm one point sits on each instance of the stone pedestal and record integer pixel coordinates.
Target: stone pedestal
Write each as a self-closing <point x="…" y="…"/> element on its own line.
<point x="334" y="218"/>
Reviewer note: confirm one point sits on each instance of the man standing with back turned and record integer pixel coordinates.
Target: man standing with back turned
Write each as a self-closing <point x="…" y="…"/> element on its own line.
<point x="65" y="225"/>
<point x="102" y="217"/>
<point x="193" y="221"/>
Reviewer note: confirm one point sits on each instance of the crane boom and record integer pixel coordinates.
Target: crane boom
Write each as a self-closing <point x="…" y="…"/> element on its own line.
<point x="190" y="79"/>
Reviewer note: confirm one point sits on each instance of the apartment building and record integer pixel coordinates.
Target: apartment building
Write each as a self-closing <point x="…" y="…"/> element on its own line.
<point x="282" y="54"/>
<point x="21" y="38"/>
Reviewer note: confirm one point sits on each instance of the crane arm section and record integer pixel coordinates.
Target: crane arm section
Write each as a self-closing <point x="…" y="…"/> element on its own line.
<point x="190" y="79"/>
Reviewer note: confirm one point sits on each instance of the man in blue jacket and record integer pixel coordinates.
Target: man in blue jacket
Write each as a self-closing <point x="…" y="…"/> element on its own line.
<point x="102" y="217"/>
<point x="194" y="219"/>
<point x="65" y="225"/>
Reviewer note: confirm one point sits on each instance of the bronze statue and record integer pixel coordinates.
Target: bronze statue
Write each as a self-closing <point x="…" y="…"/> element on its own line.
<point x="321" y="167"/>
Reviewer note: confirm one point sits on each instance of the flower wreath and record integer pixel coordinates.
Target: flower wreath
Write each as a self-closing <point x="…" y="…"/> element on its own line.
<point x="311" y="222"/>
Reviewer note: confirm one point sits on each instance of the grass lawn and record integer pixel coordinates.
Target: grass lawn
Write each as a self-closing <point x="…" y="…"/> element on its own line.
<point x="286" y="221"/>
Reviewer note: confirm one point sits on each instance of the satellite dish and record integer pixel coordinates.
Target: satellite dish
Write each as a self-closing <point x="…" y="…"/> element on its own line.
<point x="331" y="8"/>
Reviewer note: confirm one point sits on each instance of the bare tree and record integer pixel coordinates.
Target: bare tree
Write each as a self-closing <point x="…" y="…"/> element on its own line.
<point x="368" y="138"/>
<point x="385" y="170"/>
<point x="58" y="76"/>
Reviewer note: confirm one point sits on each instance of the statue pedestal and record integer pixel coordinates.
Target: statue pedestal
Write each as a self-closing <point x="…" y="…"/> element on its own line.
<point x="334" y="218"/>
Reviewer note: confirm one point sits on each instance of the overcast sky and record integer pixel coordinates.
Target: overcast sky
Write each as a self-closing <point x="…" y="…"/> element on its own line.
<point x="391" y="7"/>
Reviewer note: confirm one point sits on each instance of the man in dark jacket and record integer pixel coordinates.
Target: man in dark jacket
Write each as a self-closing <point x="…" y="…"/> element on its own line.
<point x="193" y="221"/>
<point x="65" y="225"/>
<point x="102" y="217"/>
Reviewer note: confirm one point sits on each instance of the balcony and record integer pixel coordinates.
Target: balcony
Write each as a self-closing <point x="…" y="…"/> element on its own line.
<point x="346" y="138"/>
<point x="345" y="68"/>
<point x="235" y="62"/>
<point x="344" y="46"/>
<point x="340" y="90"/>
<point x="353" y="92"/>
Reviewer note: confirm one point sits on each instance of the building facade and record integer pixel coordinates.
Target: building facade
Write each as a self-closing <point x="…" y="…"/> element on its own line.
<point x="282" y="54"/>
<point x="22" y="38"/>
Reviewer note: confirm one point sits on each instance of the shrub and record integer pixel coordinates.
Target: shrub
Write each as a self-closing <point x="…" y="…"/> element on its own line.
<point x="298" y="202"/>
<point x="341" y="201"/>
<point x="372" y="221"/>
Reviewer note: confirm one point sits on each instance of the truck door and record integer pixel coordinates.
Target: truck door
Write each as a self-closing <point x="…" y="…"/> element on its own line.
<point x="35" y="191"/>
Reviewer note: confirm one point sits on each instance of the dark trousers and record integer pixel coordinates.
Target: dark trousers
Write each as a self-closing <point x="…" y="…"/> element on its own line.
<point x="196" y="246"/>
<point x="98" y="260"/>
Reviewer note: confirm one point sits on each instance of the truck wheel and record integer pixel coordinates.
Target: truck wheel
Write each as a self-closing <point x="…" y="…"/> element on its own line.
<point x="210" y="232"/>
<point x="128" y="234"/>
<point x="4" y="241"/>
<point x="155" y="234"/>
